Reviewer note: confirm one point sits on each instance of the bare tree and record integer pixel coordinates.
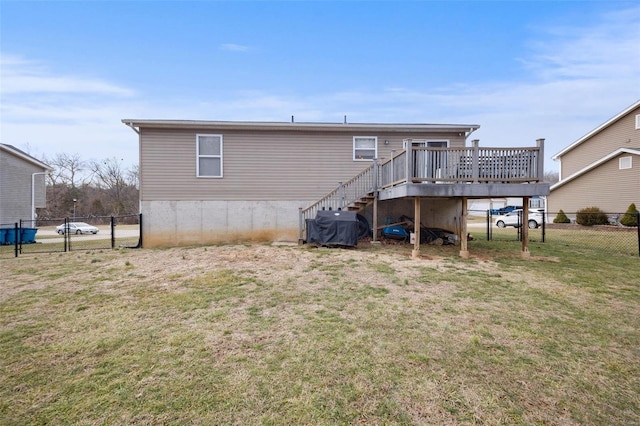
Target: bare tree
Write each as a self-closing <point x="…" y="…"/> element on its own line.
<point x="133" y="176"/>
<point x="551" y="177"/>
<point x="110" y="176"/>
<point x="96" y="188"/>
<point x="68" y="169"/>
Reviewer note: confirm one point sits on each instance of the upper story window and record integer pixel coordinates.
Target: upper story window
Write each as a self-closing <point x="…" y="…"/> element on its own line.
<point x="625" y="163"/>
<point x="638" y="121"/>
<point x="365" y="148"/>
<point x="209" y="156"/>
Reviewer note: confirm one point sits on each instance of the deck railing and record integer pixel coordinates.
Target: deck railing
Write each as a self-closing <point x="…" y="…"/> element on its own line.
<point x="345" y="194"/>
<point x="419" y="163"/>
<point x="462" y="165"/>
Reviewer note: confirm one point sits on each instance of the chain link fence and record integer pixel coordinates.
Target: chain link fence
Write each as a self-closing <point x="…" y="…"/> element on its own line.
<point x="70" y="234"/>
<point x="609" y="233"/>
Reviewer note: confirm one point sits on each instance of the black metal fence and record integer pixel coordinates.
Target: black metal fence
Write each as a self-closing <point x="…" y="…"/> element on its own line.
<point x="67" y="234"/>
<point x="608" y="233"/>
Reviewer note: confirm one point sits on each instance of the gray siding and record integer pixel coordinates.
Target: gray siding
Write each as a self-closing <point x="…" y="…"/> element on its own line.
<point x="15" y="188"/>
<point x="606" y="187"/>
<point x="258" y="165"/>
<point x="621" y="134"/>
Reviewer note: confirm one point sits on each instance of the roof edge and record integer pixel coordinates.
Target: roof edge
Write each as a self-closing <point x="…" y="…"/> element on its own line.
<point x="597" y="129"/>
<point x="19" y="153"/>
<point x="269" y="125"/>
<point x="595" y="164"/>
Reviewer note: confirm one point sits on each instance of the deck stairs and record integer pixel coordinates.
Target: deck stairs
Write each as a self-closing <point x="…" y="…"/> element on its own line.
<point x="360" y="204"/>
<point x="353" y="195"/>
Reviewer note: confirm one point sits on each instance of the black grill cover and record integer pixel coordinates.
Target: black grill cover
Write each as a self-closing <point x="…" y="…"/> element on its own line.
<point x="333" y="227"/>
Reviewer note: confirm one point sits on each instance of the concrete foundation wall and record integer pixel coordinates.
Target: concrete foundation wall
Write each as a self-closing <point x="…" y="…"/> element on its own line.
<point x="181" y="223"/>
<point x="434" y="212"/>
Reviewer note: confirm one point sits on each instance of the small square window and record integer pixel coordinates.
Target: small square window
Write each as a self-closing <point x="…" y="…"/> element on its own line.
<point x="625" y="163"/>
<point x="365" y="148"/>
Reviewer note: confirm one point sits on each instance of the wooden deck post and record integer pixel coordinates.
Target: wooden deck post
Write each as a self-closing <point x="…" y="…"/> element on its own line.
<point x="375" y="217"/>
<point x="464" y="250"/>
<point x="408" y="162"/>
<point x="376" y="185"/>
<point x="540" y="171"/>
<point x="416" y="227"/>
<point x="525" y="227"/>
<point x="475" y="162"/>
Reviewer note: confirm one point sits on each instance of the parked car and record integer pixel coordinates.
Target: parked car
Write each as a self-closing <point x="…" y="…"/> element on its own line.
<point x="505" y="210"/>
<point x="514" y="218"/>
<point x="77" y="228"/>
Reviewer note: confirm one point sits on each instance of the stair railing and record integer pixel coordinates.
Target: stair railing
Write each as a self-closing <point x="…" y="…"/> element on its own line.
<point x="364" y="183"/>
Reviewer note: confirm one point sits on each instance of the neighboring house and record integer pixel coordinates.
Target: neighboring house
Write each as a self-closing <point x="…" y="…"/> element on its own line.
<point x="601" y="169"/>
<point x="211" y="181"/>
<point x="22" y="185"/>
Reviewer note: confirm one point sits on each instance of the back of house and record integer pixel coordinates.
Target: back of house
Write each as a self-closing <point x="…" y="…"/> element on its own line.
<point x="205" y="182"/>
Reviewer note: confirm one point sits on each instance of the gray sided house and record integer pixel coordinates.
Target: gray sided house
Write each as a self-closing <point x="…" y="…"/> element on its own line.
<point x="22" y="185"/>
<point x="601" y="169"/>
<point x="210" y="181"/>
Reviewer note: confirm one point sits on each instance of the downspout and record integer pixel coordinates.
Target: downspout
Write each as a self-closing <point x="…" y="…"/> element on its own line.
<point x="33" y="196"/>
<point x="130" y="124"/>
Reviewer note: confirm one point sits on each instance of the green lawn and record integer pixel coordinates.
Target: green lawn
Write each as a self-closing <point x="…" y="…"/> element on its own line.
<point x="258" y="334"/>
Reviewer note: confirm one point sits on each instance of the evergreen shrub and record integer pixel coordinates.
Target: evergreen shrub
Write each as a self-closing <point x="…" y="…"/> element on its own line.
<point x="590" y="216"/>
<point x="561" y="218"/>
<point x="630" y="218"/>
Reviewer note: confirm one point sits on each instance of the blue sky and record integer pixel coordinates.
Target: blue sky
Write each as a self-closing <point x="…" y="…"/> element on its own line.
<point x="522" y="70"/>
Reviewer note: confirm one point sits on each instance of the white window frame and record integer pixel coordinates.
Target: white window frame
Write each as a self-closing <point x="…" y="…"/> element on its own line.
<point x="637" y="121"/>
<point x="199" y="156"/>
<point x="625" y="162"/>
<point x="375" y="148"/>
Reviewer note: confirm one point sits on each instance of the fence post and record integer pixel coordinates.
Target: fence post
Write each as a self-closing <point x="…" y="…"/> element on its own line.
<point x="113" y="233"/>
<point x="65" y="235"/>
<point x="638" y="228"/>
<point x="140" y="230"/>
<point x="489" y="236"/>
<point x="16" y="235"/>
<point x="300" y="226"/>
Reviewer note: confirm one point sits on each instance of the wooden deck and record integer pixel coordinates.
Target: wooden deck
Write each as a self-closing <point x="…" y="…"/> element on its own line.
<point x="420" y="171"/>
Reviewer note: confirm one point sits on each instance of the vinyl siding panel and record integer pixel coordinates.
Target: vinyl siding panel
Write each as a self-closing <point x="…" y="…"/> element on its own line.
<point x="258" y="165"/>
<point x="15" y="188"/>
<point x="621" y="134"/>
<point x="606" y="187"/>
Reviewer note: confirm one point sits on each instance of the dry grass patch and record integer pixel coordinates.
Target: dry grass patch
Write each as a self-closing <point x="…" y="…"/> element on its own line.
<point x="255" y="334"/>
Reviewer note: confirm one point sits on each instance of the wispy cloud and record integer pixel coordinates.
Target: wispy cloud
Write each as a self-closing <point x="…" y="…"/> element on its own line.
<point x="232" y="47"/>
<point x="61" y="113"/>
<point x="575" y="78"/>
<point x="610" y="49"/>
<point x="20" y="76"/>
